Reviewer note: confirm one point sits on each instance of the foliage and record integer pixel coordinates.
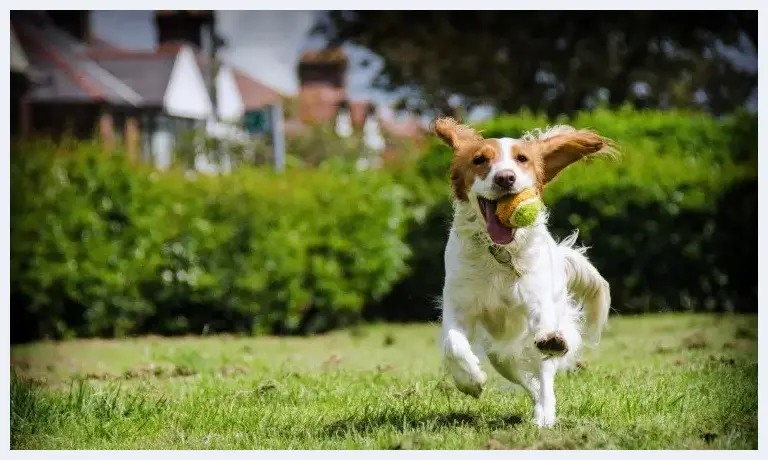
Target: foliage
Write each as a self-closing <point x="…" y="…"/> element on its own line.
<point x="318" y="143"/>
<point x="103" y="247"/>
<point x="223" y="152"/>
<point x="670" y="225"/>
<point x="557" y="62"/>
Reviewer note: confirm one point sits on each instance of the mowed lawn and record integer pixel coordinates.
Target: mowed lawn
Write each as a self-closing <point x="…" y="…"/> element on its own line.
<point x="657" y="382"/>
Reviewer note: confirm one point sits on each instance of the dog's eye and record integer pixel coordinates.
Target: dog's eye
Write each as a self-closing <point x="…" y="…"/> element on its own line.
<point x="522" y="158"/>
<point x="480" y="159"/>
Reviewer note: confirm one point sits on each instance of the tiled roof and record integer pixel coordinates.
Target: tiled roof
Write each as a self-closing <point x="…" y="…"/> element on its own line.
<point x="57" y="86"/>
<point x="97" y="44"/>
<point x="255" y="94"/>
<point x="45" y="56"/>
<point x="104" y="72"/>
<point x="146" y="72"/>
<point x="148" y="75"/>
<point x="19" y="62"/>
<point x="67" y="64"/>
<point x="103" y="50"/>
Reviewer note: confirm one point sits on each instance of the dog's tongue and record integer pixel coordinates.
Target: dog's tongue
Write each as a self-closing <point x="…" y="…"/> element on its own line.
<point x="499" y="233"/>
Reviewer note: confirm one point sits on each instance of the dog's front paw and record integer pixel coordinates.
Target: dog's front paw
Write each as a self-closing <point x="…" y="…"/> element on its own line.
<point x="469" y="378"/>
<point x="551" y="344"/>
<point x="463" y="365"/>
<point x="543" y="418"/>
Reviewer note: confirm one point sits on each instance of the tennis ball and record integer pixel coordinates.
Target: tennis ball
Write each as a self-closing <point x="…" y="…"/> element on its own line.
<point x="520" y="210"/>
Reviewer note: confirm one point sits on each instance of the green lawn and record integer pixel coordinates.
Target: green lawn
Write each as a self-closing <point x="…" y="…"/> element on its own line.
<point x="657" y="382"/>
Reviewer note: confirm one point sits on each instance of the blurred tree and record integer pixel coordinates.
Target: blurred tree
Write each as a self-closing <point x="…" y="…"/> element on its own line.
<point x="556" y="62"/>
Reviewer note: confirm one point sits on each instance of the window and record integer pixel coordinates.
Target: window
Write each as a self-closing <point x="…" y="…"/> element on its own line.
<point x="258" y="122"/>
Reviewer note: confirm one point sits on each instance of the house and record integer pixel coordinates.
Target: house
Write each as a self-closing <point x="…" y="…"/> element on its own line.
<point x="145" y="98"/>
<point x="21" y="78"/>
<point x="323" y="98"/>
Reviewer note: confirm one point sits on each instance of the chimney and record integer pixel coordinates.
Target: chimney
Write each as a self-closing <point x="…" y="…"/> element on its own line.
<point x="182" y="26"/>
<point x="77" y="23"/>
<point x="327" y="67"/>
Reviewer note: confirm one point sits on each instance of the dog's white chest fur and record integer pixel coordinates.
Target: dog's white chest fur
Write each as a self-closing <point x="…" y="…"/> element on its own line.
<point x="496" y="289"/>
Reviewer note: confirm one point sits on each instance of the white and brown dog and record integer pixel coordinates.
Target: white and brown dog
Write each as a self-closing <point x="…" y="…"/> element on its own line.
<point x="525" y="299"/>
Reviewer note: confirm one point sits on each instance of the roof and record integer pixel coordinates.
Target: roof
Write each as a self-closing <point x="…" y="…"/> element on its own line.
<point x="19" y="62"/>
<point x="147" y="73"/>
<point x="104" y="72"/>
<point x="64" y="80"/>
<point x="71" y="74"/>
<point x="57" y="85"/>
<point x="255" y="94"/>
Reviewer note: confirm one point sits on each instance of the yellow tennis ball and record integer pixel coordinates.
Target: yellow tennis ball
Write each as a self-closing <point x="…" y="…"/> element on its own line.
<point x="520" y="210"/>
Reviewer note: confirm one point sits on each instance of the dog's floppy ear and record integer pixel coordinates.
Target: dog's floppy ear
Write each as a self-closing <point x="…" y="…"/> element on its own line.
<point x="455" y="135"/>
<point x="561" y="150"/>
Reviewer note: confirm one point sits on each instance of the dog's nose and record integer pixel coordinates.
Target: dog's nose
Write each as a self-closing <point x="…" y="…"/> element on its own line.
<point x="504" y="179"/>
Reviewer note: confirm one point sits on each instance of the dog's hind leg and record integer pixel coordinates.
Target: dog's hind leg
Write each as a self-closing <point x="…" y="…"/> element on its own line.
<point x="459" y="359"/>
<point x="539" y="384"/>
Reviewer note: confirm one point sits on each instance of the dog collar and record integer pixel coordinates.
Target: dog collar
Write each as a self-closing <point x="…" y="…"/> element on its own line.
<point x="500" y="253"/>
<point x="504" y="257"/>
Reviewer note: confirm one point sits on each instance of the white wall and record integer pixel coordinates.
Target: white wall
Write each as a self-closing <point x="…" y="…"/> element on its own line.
<point x="344" y="123"/>
<point x="228" y="98"/>
<point x="187" y="95"/>
<point x="372" y="136"/>
<point x="162" y="148"/>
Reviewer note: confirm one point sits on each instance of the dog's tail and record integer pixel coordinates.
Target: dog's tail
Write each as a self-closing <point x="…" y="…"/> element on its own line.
<point x="587" y="287"/>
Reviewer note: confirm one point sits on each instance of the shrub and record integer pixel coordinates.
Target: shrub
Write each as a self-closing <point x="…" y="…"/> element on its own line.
<point x="103" y="247"/>
<point x="100" y="246"/>
<point x="671" y="225"/>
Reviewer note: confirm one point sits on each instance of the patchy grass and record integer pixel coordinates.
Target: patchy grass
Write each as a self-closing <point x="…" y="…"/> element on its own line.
<point x="657" y="382"/>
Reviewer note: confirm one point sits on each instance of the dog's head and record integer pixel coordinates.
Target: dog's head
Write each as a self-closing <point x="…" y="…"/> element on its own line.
<point x="485" y="170"/>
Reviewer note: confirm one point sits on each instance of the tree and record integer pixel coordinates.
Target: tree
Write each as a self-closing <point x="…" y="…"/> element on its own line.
<point x="559" y="62"/>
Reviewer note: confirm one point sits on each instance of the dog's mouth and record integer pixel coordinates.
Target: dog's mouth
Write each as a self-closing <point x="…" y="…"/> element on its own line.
<point x="499" y="233"/>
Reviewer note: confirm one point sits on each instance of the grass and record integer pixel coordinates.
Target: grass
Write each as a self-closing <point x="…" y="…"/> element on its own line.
<point x="657" y="382"/>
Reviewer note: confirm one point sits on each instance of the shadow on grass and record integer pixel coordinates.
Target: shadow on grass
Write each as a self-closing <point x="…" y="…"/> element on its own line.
<point x="430" y="422"/>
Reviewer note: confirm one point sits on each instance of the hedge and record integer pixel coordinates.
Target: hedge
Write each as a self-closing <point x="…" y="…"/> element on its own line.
<point x="672" y="224"/>
<point x="101" y="247"/>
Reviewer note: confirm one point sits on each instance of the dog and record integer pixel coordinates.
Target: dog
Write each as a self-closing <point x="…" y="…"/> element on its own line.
<point x="526" y="301"/>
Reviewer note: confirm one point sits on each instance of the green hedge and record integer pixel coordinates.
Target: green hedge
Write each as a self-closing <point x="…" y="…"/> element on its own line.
<point x="672" y="225"/>
<point x="102" y="247"/>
